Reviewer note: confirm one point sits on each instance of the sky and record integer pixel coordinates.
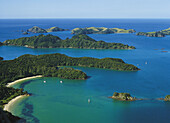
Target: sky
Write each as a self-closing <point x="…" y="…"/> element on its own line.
<point x="84" y="9"/>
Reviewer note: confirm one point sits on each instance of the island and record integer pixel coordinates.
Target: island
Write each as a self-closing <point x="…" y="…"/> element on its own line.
<point x="56" y="29"/>
<point x="100" y="30"/>
<point x="123" y="97"/>
<point x="167" y="98"/>
<point x="1" y="58"/>
<point x="151" y="34"/>
<point x="49" y="65"/>
<point x="37" y="29"/>
<point x="77" y="41"/>
<point x="161" y="33"/>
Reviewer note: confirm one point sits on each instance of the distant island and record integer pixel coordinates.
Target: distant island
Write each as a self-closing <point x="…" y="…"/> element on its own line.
<point x="77" y="41"/>
<point x="37" y="29"/>
<point x="1" y="43"/>
<point x="123" y="97"/>
<point x="100" y="30"/>
<point x="167" y="98"/>
<point x="161" y="33"/>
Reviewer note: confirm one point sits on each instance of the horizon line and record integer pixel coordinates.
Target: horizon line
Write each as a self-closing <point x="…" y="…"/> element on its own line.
<point x="84" y="18"/>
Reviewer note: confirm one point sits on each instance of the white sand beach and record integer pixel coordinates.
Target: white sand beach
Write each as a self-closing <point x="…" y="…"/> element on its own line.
<point x="10" y="103"/>
<point x="23" y="79"/>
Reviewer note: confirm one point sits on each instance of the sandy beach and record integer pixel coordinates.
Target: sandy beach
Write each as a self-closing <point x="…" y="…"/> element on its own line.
<point x="10" y="103"/>
<point x="23" y="79"/>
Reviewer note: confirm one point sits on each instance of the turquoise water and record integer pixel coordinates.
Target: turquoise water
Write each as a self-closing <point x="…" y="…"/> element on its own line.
<point x="68" y="102"/>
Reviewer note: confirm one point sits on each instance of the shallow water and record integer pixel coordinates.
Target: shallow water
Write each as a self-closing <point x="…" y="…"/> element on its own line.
<point x="68" y="102"/>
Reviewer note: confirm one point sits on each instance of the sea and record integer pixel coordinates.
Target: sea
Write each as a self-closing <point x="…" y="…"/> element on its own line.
<point x="53" y="102"/>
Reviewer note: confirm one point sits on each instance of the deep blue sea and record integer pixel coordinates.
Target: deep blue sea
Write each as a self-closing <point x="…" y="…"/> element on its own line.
<point x="67" y="102"/>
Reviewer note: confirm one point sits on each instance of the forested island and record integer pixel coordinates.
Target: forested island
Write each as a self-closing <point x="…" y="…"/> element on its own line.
<point x="123" y="96"/>
<point x="77" y="41"/>
<point x="161" y="33"/>
<point x="37" y="29"/>
<point x="48" y="66"/>
<point x="100" y="30"/>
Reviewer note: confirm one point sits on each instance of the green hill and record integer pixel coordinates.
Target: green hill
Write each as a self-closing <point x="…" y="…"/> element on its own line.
<point x="37" y="29"/>
<point x="77" y="41"/>
<point x="56" y="29"/>
<point x="100" y="30"/>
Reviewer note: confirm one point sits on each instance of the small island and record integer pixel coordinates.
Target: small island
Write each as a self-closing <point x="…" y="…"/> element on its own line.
<point x="37" y="29"/>
<point x="100" y="30"/>
<point x="77" y="41"/>
<point x="161" y="33"/>
<point x="151" y="34"/>
<point x="123" y="97"/>
<point x="167" y="98"/>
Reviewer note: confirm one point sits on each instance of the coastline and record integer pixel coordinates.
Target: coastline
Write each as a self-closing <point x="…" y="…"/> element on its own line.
<point x="23" y="79"/>
<point x="10" y="103"/>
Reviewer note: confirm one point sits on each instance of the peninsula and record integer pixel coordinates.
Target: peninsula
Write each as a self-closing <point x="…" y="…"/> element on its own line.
<point x="77" y="41"/>
<point x="123" y="97"/>
<point x="37" y="29"/>
<point x="161" y="33"/>
<point x="48" y="66"/>
<point x="100" y="30"/>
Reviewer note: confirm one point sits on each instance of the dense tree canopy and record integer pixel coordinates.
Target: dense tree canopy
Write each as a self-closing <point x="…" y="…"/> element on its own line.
<point x="29" y="65"/>
<point x="77" y="41"/>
